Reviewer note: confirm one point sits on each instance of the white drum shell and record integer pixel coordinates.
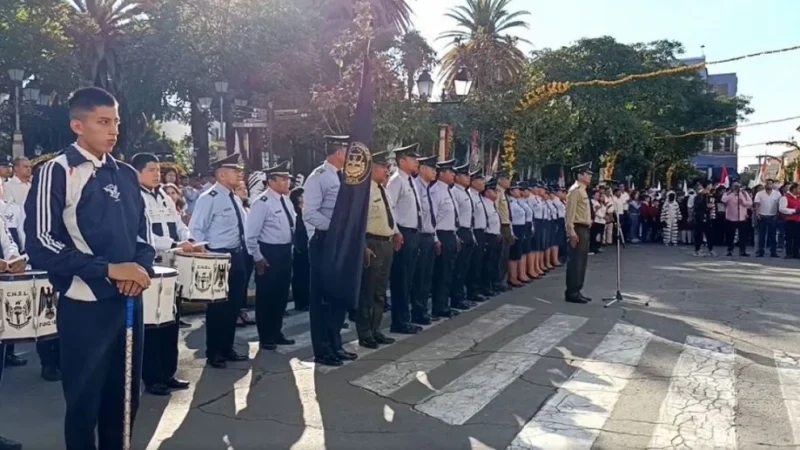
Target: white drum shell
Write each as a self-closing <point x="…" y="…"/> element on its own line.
<point x="159" y="299"/>
<point x="203" y="277"/>
<point x="28" y="307"/>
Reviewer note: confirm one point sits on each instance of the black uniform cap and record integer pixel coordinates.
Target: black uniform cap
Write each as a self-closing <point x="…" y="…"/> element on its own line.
<point x="230" y="162"/>
<point x="476" y="175"/>
<point x="501" y="174"/>
<point x="462" y="169"/>
<point x="491" y="183"/>
<point x="6" y="160"/>
<point x="281" y="170"/>
<point x="408" y="151"/>
<point x="429" y="161"/>
<point x="381" y="158"/>
<point x="446" y="165"/>
<point x="583" y="168"/>
<point x="333" y="143"/>
<point x="523" y="185"/>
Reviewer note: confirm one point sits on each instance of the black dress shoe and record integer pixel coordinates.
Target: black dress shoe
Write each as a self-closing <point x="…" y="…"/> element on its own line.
<point x="404" y="329"/>
<point x="745" y="254"/>
<point x="217" y="362"/>
<point x="283" y="341"/>
<point x="584" y="298"/>
<point x="159" y="389"/>
<point x="368" y="343"/>
<point x="421" y="321"/>
<point x="16" y="361"/>
<point x="177" y="385"/>
<point x="51" y="373"/>
<point x="575" y="299"/>
<point x="302" y="309"/>
<point x="269" y="345"/>
<point x="462" y="305"/>
<point x="235" y="356"/>
<point x="435" y="319"/>
<point x="328" y="360"/>
<point x="8" y="444"/>
<point x="346" y="356"/>
<point x="446" y="314"/>
<point x="477" y="299"/>
<point x="184" y="324"/>
<point x="384" y="340"/>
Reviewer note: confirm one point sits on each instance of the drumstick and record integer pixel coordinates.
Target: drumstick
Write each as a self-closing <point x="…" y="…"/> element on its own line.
<point x="194" y="244"/>
<point x="126" y="419"/>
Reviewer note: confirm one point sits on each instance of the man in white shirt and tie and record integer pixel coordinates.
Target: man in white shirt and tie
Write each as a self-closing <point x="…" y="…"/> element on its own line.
<point x="464" y="221"/>
<point x="446" y="215"/>
<point x="765" y="207"/>
<point x="479" y="217"/>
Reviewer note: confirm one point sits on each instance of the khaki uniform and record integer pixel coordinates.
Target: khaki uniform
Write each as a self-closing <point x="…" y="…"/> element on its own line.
<point x="578" y="221"/>
<point x="381" y="227"/>
<point x="505" y="232"/>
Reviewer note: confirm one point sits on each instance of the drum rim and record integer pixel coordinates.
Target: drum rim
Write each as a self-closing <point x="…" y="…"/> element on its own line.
<point x="206" y="255"/>
<point x="169" y="272"/>
<point x="24" y="276"/>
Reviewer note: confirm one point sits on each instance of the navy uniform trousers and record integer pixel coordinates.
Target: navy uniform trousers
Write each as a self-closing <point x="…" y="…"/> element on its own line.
<point x="161" y="352"/>
<point x="476" y="269"/>
<point x="461" y="270"/>
<point x="443" y="273"/>
<point x="272" y="291"/>
<point x="402" y="277"/>
<point x="93" y="370"/>
<point x="326" y="317"/>
<point x="221" y="317"/>
<point x="423" y="278"/>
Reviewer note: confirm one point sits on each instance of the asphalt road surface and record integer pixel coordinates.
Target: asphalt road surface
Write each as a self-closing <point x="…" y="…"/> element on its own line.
<point x="712" y="363"/>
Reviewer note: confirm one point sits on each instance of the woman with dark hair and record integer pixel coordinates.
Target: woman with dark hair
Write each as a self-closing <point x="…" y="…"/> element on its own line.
<point x="301" y="270"/>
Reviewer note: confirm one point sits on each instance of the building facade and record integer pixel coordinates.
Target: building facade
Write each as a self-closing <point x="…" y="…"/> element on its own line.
<point x="721" y="150"/>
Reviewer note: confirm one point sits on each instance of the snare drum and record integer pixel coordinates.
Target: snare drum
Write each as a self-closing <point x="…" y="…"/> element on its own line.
<point x="203" y="277"/>
<point x="159" y="298"/>
<point x="28" y="307"/>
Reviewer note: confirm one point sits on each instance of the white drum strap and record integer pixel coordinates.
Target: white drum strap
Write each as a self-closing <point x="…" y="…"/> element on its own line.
<point x="36" y="307"/>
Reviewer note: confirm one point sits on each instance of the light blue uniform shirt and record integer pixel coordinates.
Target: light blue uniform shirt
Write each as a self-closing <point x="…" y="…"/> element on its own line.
<point x="493" y="223"/>
<point x="561" y="208"/>
<point x="444" y="206"/>
<point x="480" y="209"/>
<point x="538" y="207"/>
<point x="526" y="205"/>
<point x="424" y="193"/>
<point x="268" y="223"/>
<point x="214" y="219"/>
<point x="321" y="189"/>
<point x="517" y="211"/>
<point x="464" y="205"/>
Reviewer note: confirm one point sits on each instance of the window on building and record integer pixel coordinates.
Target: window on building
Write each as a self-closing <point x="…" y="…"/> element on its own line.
<point x="722" y="89"/>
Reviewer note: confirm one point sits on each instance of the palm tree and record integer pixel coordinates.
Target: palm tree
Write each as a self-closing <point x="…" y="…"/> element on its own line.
<point x="104" y="22"/>
<point x="415" y="54"/>
<point x="481" y="42"/>
<point x="395" y="14"/>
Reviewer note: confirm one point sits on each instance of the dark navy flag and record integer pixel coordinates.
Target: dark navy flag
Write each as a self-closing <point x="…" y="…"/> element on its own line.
<point x="343" y="255"/>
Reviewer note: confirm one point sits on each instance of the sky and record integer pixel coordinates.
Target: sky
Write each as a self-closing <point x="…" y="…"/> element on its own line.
<point x="726" y="29"/>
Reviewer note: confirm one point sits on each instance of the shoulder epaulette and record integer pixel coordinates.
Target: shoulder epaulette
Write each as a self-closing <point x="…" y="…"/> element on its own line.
<point x="264" y="198"/>
<point x="320" y="170"/>
<point x="212" y="193"/>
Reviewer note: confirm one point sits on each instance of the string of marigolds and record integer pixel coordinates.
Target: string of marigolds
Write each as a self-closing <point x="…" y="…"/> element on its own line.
<point x="550" y="90"/>
<point x="510" y="151"/>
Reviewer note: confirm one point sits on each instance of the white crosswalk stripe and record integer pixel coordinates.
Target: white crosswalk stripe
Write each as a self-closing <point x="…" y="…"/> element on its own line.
<point x="788" y="366"/>
<point x="572" y="419"/>
<point x="469" y="393"/>
<point x="698" y="411"/>
<point x="393" y="376"/>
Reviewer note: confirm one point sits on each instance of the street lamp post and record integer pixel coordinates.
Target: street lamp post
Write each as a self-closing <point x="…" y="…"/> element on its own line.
<point x="18" y="146"/>
<point x="463" y="83"/>
<point x="425" y="84"/>
<point x="222" y="88"/>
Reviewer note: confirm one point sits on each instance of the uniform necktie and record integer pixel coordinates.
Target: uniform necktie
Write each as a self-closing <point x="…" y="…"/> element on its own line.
<point x="238" y="218"/>
<point x="508" y="202"/>
<point x="288" y="216"/>
<point x="416" y="204"/>
<point x="455" y="207"/>
<point x="430" y="205"/>
<point x="486" y="214"/>
<point x="386" y="205"/>
<point x="471" y="210"/>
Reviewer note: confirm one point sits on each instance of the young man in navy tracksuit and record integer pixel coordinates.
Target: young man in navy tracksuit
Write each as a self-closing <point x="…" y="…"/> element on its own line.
<point x="85" y="225"/>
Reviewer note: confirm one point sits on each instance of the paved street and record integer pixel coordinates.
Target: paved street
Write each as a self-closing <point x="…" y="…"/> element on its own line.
<point x="712" y="363"/>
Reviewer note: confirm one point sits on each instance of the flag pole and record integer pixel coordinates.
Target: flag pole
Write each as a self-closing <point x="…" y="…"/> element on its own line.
<point x="126" y="419"/>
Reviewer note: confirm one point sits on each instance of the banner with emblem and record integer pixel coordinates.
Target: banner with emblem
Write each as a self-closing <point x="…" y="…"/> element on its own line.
<point x="343" y="254"/>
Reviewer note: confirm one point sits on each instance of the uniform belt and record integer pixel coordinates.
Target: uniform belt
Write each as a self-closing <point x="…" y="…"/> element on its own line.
<point x="375" y="237"/>
<point x="465" y="228"/>
<point x="407" y="229"/>
<point x="583" y="225"/>
<point x="275" y="245"/>
<point x="225" y="250"/>
<point x="427" y="234"/>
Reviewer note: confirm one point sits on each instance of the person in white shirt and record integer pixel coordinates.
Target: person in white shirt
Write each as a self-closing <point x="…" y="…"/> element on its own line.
<point x="788" y="207"/>
<point x="160" y="359"/>
<point x="15" y="191"/>
<point x="404" y="201"/>
<point x="765" y="207"/>
<point x="490" y="278"/>
<point x="599" y="209"/>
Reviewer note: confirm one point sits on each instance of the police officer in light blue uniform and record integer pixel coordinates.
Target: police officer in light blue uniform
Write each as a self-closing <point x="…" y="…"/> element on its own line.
<point x="429" y="245"/>
<point x="269" y="235"/>
<point x="218" y="219"/>
<point x="446" y="220"/>
<point x="465" y="221"/>
<point x="321" y="191"/>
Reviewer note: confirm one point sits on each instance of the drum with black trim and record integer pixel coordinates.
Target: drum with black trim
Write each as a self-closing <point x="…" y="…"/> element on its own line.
<point x="203" y="277"/>
<point x="28" y="307"/>
<point x="159" y="299"/>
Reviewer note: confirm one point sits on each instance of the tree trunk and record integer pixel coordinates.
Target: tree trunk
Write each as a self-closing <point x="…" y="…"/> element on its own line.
<point x="199" y="126"/>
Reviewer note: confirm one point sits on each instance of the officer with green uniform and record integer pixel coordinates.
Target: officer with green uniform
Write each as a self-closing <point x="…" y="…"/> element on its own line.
<point x="383" y="238"/>
<point x="578" y="221"/>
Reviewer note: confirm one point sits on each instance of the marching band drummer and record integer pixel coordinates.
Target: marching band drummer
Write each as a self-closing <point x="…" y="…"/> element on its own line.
<point x="160" y="360"/>
<point x="269" y="236"/>
<point x="219" y="220"/>
<point x="85" y="223"/>
<point x="10" y="213"/>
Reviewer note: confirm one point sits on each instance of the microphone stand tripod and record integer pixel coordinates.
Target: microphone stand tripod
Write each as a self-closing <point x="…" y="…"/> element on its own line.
<point x="618" y="297"/>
